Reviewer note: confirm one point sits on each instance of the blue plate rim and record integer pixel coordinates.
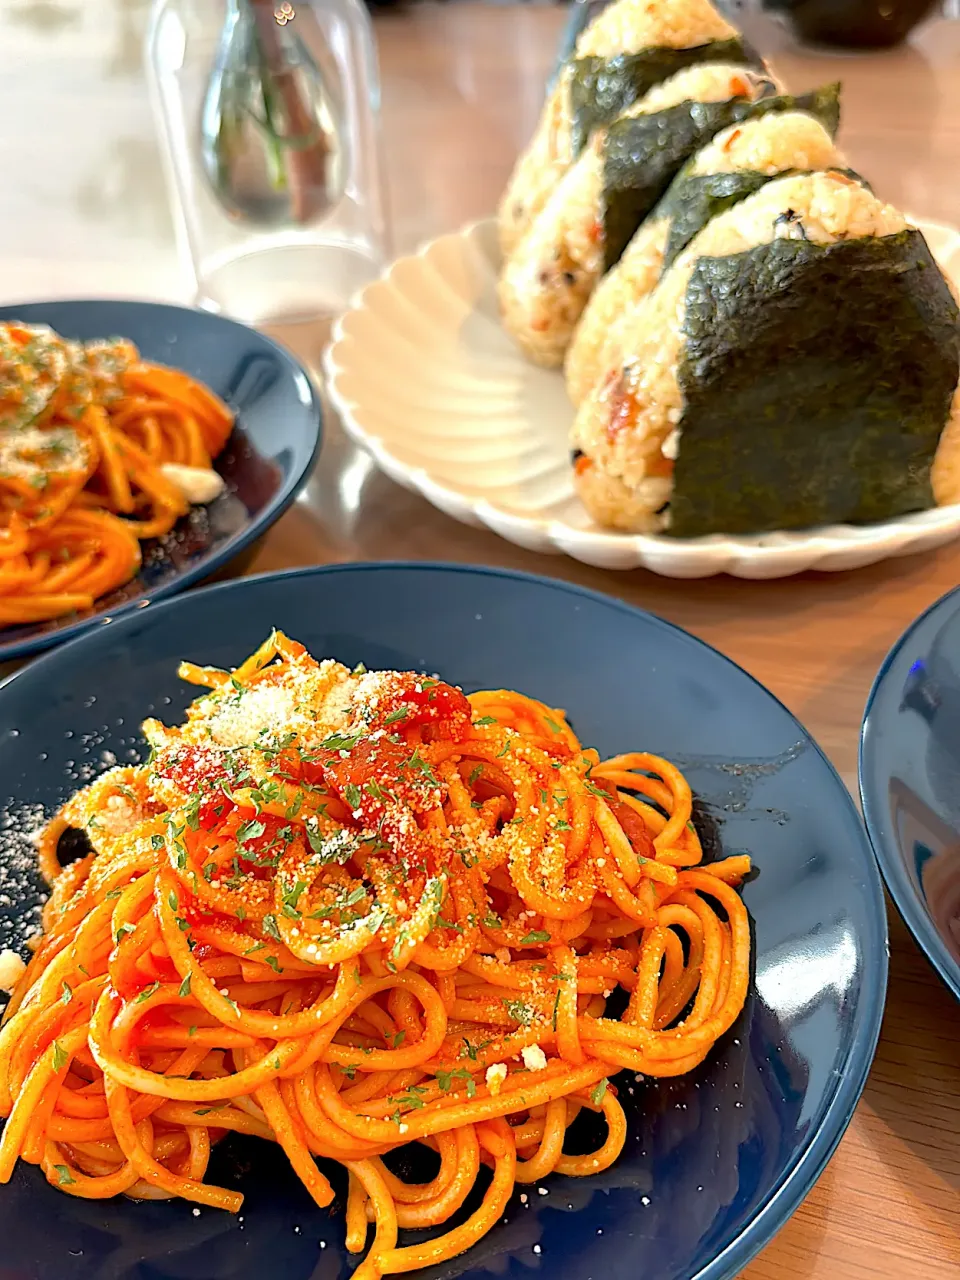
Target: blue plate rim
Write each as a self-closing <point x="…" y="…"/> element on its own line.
<point x="785" y="1199"/>
<point x="265" y="519"/>
<point x="882" y="841"/>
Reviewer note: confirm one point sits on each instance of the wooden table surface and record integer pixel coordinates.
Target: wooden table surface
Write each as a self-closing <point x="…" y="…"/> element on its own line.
<point x="462" y="87"/>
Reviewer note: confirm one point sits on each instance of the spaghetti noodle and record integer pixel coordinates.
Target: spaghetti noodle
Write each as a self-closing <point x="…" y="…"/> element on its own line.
<point x="88" y="436"/>
<point x="347" y="911"/>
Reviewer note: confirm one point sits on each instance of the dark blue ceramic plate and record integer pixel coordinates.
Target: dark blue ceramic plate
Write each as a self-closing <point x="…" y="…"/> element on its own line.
<point x="910" y="781"/>
<point x="715" y="1162"/>
<point x="267" y="459"/>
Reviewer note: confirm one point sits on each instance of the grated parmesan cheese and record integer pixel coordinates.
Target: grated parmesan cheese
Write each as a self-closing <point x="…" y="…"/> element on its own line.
<point x="534" y="1059"/>
<point x="12" y="970"/>
<point x="119" y="815"/>
<point x="310" y="702"/>
<point x="199" y="485"/>
<point x="495" y="1076"/>
<point x="257" y="713"/>
<point x="34" y="453"/>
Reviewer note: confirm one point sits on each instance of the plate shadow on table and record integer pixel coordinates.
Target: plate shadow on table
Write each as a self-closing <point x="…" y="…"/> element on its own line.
<point x="912" y="1094"/>
<point x="376" y="518"/>
<point x="918" y="1013"/>
<point x="910" y="789"/>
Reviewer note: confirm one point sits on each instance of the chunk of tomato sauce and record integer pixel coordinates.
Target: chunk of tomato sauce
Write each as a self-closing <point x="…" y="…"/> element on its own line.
<point x="152" y="968"/>
<point x="194" y="770"/>
<point x="418" y="702"/>
<point x="634" y="827"/>
<point x="199" y="770"/>
<point x="383" y="786"/>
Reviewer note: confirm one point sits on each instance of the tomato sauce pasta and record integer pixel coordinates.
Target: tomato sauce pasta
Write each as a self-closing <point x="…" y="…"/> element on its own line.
<point x="88" y="433"/>
<point x="345" y="911"/>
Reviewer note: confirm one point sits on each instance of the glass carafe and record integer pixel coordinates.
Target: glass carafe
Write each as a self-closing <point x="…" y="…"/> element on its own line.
<point x="268" y="115"/>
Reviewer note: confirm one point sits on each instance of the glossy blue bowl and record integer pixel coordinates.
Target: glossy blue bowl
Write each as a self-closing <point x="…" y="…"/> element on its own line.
<point x="267" y="458"/>
<point x="715" y="1161"/>
<point x="910" y="781"/>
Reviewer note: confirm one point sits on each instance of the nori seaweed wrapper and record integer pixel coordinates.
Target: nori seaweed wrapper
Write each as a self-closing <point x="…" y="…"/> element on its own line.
<point x="816" y="382"/>
<point x="705" y="195"/>
<point x="603" y="87"/>
<point x="642" y="154"/>
<point x="700" y="197"/>
<point x="693" y="199"/>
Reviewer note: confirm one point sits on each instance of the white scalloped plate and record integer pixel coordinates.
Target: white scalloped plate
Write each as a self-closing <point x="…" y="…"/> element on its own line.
<point x="424" y="377"/>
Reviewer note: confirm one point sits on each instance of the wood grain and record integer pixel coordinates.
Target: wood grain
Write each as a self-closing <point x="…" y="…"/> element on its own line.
<point x="462" y="87"/>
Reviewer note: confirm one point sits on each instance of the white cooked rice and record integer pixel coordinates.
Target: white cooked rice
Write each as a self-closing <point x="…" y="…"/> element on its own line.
<point x="550" y="275"/>
<point x="774" y="142"/>
<point x="627" y="428"/>
<point x="631" y="25"/>
<point x="616" y="295"/>
<point x="777" y="141"/>
<point x="538" y="168"/>
<point x="703" y="82"/>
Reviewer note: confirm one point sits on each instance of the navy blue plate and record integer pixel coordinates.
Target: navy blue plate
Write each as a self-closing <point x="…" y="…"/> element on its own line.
<point x="910" y="781"/>
<point x="267" y="458"/>
<point x="715" y="1161"/>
